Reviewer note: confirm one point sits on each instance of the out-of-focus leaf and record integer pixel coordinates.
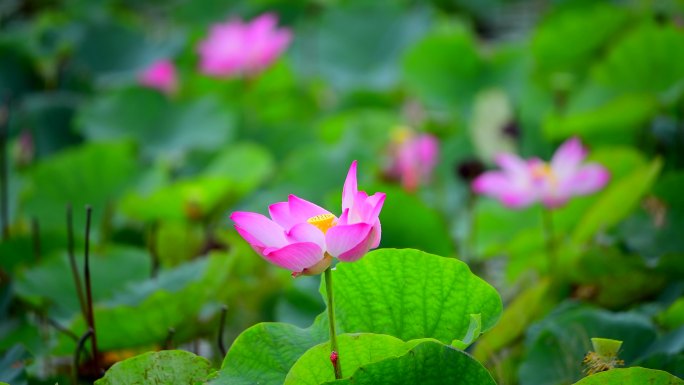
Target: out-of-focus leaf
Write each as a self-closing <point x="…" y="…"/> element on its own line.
<point x="614" y="279"/>
<point x="444" y="68"/>
<point x="628" y="69"/>
<point x="93" y="174"/>
<point x="422" y="229"/>
<point x="527" y="307"/>
<point x="557" y="344"/>
<point x="357" y="46"/>
<point x="128" y="49"/>
<point x="159" y="368"/>
<point x="666" y="353"/>
<point x="47" y="117"/>
<point x="673" y="316"/>
<point x="12" y="366"/>
<point x="433" y="297"/>
<point x="51" y="284"/>
<point x="617" y="201"/>
<point x="143" y="313"/>
<point x="228" y="177"/>
<point x="569" y="28"/>
<point x="631" y="376"/>
<point x="614" y="122"/>
<point x="17" y="73"/>
<point x="164" y="127"/>
<point x="429" y="363"/>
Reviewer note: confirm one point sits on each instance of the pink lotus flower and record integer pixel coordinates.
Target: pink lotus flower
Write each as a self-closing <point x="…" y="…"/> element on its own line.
<point x="236" y="47"/>
<point x="303" y="237"/>
<point x="520" y="183"/>
<point x="413" y="158"/>
<point x="160" y="75"/>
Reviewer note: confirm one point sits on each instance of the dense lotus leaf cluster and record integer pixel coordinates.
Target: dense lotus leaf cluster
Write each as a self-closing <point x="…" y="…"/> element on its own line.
<point x="354" y="192"/>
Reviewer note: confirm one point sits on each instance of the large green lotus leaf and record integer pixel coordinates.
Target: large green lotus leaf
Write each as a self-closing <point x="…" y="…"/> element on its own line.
<point x="616" y="121"/>
<point x="429" y="363"/>
<point x="93" y="174"/>
<point x="407" y="222"/>
<point x="50" y="283"/>
<point x="627" y="69"/>
<point x="617" y="201"/>
<point x="569" y="29"/>
<point x="355" y="350"/>
<point x="264" y="353"/>
<point x="142" y="314"/>
<point x="161" y="126"/>
<point x="411" y="294"/>
<point x="372" y="35"/>
<point x="527" y="307"/>
<point x="159" y="368"/>
<point x="557" y="344"/>
<point x="631" y="376"/>
<point x="444" y="68"/>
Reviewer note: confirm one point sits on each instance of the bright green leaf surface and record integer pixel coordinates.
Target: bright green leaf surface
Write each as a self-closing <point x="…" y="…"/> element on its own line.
<point x="429" y="363"/>
<point x="631" y="376"/>
<point x="410" y="294"/>
<point x="355" y="350"/>
<point x="176" y="367"/>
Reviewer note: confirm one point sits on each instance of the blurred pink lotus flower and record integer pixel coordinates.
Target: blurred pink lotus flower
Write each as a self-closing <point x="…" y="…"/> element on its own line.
<point x="160" y="75"/>
<point x="303" y="237"/>
<point x="243" y="48"/>
<point x="414" y="156"/>
<point x="520" y="183"/>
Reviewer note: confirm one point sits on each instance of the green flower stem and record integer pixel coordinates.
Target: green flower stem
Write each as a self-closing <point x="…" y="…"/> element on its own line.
<point x="334" y="354"/>
<point x="547" y="217"/>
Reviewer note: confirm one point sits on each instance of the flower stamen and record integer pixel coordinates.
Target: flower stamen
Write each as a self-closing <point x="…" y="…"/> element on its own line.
<point x="323" y="222"/>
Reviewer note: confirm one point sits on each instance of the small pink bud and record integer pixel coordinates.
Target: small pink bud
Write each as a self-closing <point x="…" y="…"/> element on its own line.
<point x="333" y="357"/>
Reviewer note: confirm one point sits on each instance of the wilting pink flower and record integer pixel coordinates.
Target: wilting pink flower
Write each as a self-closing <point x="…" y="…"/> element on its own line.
<point x="160" y="75"/>
<point x="236" y="47"/>
<point x="521" y="182"/>
<point x="414" y="156"/>
<point x="303" y="237"/>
